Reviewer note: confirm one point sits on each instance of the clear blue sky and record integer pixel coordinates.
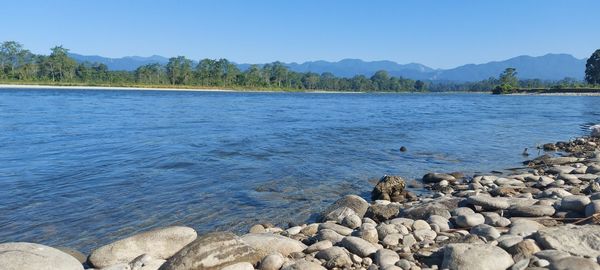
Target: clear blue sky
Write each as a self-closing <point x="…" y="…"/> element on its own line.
<point x="440" y="33"/>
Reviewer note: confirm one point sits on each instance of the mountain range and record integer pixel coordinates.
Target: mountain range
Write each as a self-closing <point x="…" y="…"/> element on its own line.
<point x="546" y="67"/>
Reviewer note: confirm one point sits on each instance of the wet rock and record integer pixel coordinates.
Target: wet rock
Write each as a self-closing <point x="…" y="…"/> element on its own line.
<point x="347" y="205"/>
<point x="389" y="188"/>
<point x="438" y="177"/>
<point x="270" y="243"/>
<point x="577" y="240"/>
<point x="159" y="244"/>
<point x="334" y="257"/>
<point x="493" y="203"/>
<point x="212" y="251"/>
<point x="358" y="246"/>
<point x="532" y="211"/>
<point x="30" y="256"/>
<point x="475" y="257"/>
<point x="469" y="220"/>
<point x="572" y="263"/>
<point x="382" y="212"/>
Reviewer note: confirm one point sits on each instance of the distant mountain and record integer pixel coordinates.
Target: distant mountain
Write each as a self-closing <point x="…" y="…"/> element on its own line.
<point x="547" y="67"/>
<point x="124" y="63"/>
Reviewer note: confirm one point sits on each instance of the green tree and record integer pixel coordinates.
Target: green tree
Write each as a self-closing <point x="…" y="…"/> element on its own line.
<point x="508" y="82"/>
<point x="592" y="68"/>
<point x="179" y="70"/>
<point x="420" y="86"/>
<point x="59" y="65"/>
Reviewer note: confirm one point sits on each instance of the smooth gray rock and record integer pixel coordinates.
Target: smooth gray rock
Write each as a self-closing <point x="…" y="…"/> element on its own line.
<point x="532" y="211"/>
<point x="358" y="246"/>
<point x="577" y="240"/>
<point x="592" y="208"/>
<point x="211" y="252"/>
<point x="352" y="221"/>
<point x="82" y="258"/>
<point x="369" y="233"/>
<point x="355" y="203"/>
<point x="593" y="169"/>
<point x="330" y="235"/>
<point x="574" y="203"/>
<point x="239" y="266"/>
<point x="318" y="246"/>
<point x="304" y="265"/>
<point x="487" y="202"/>
<point x="485" y="231"/>
<point x="574" y="263"/>
<point x="524" y="227"/>
<point x="272" y="262"/>
<point x="424" y="211"/>
<point x="270" y="243"/>
<point x="469" y="220"/>
<point x="385" y="257"/>
<point x="334" y="257"/>
<point x="595" y="131"/>
<point x="343" y="230"/>
<point x="382" y="212"/>
<point x="442" y="222"/>
<point x="159" y="244"/>
<point x="30" y="256"/>
<point x="475" y="257"/>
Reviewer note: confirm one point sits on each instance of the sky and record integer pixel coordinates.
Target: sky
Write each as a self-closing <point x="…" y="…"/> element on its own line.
<point x="439" y="34"/>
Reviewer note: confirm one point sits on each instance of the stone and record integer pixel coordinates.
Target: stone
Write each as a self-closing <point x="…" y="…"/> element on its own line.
<point x="30" y="256"/>
<point x="318" y="246"/>
<point x="424" y="211"/>
<point x="532" y="211"/>
<point x="334" y="257"/>
<point x="593" y="169"/>
<point x="310" y="229"/>
<point x="574" y="203"/>
<point x="385" y="257"/>
<point x="524" y="227"/>
<point x="352" y="221"/>
<point x="592" y="208"/>
<point x="462" y="211"/>
<point x="524" y="249"/>
<point x="438" y="177"/>
<point x="239" y="266"/>
<point x="475" y="257"/>
<point x="355" y="203"/>
<point x="577" y="240"/>
<point x="369" y="233"/>
<point x="492" y="203"/>
<point x="389" y="188"/>
<point x="595" y="131"/>
<point x="470" y="220"/>
<point x="442" y="222"/>
<point x="420" y="224"/>
<point x="392" y="240"/>
<point x="486" y="231"/>
<point x="159" y="244"/>
<point x="304" y="265"/>
<point x="82" y="258"/>
<point x="574" y="263"/>
<point x="258" y="228"/>
<point x="358" y="246"/>
<point x="330" y="235"/>
<point x="293" y="230"/>
<point x="551" y="255"/>
<point x="425" y="234"/>
<point x="381" y="212"/>
<point x="507" y="240"/>
<point x="343" y="230"/>
<point x="211" y="252"/>
<point x="270" y="243"/>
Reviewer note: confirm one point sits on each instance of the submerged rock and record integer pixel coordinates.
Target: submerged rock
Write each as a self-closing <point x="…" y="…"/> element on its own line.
<point x="30" y="256"/>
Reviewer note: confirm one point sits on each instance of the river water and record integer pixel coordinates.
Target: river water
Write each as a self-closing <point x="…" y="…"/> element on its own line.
<point x="83" y="168"/>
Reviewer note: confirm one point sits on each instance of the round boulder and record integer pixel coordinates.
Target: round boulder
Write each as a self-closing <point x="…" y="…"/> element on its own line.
<point x="30" y="256"/>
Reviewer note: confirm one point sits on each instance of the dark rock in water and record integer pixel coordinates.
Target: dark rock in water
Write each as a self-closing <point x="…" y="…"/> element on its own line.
<point x="383" y="212"/>
<point x="458" y="175"/>
<point x="390" y="188"/>
<point x="550" y="147"/>
<point x="349" y="202"/>
<point x="438" y="177"/>
<point x="212" y="251"/>
<point x="403" y="149"/>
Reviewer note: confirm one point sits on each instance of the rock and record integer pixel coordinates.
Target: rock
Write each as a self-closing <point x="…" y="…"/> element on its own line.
<point x="532" y="211"/>
<point x="577" y="240"/>
<point x="304" y="265"/>
<point x="343" y="230"/>
<point x="389" y="188"/>
<point x="293" y="230"/>
<point x="486" y="231"/>
<point x="392" y="240"/>
<point x="120" y="266"/>
<point x="212" y="251"/>
<point x="574" y="203"/>
<point x="318" y="246"/>
<point x="425" y="234"/>
<point x="330" y="235"/>
<point x="470" y="220"/>
<point x="507" y="240"/>
<point x="593" y="169"/>
<point x="159" y="244"/>
<point x="145" y="262"/>
<point x="334" y="257"/>
<point x="574" y="263"/>
<point x="551" y="255"/>
<point x="475" y="257"/>
<point x="310" y="229"/>
<point x="30" y="256"/>
<point x="381" y="212"/>
<point x="369" y="233"/>
<point x="385" y="257"/>
<point x="492" y="203"/>
<point x="438" y="177"/>
<point x="270" y="243"/>
<point x="595" y="131"/>
<point x="358" y="246"/>
<point x="524" y="227"/>
<point x="272" y="262"/>
<point x="495" y="220"/>
<point x="462" y="211"/>
<point x="592" y="208"/>
<point x="82" y="258"/>
<point x="520" y="265"/>
<point x="355" y="203"/>
<point x="352" y="221"/>
<point x="239" y="266"/>
<point x="424" y="211"/>
<point x="524" y="249"/>
<point x="442" y="222"/>
<point x="258" y="228"/>
<point x="420" y="224"/>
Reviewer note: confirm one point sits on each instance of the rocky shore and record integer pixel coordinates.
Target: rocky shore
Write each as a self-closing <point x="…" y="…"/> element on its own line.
<point x="543" y="216"/>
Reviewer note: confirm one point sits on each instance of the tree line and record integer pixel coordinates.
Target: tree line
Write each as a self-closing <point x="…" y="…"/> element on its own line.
<point x="19" y="64"/>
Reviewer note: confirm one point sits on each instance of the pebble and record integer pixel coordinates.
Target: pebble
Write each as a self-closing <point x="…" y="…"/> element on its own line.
<point x="469" y="220"/>
<point x="574" y="203"/>
<point x="318" y="246"/>
<point x="358" y="246"/>
<point x="272" y="262"/>
<point x="485" y="231"/>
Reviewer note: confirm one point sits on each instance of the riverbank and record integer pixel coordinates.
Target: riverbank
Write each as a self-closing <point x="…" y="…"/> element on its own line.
<point x="543" y="216"/>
